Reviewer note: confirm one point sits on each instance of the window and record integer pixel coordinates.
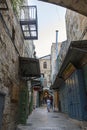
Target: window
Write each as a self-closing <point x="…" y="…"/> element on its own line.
<point x="45" y="65"/>
<point x="13" y="34"/>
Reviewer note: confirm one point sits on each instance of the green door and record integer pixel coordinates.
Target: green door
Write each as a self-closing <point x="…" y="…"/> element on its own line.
<point x="23" y="105"/>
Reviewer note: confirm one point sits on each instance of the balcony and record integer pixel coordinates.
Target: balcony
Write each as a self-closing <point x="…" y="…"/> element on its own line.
<point x="29" y="67"/>
<point x="36" y="84"/>
<point x="3" y="5"/>
<point x="28" y="22"/>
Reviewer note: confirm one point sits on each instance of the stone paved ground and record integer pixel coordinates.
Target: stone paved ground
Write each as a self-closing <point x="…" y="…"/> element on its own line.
<point x="40" y="119"/>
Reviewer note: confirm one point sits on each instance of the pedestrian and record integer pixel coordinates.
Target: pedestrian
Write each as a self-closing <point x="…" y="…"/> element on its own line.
<point x="48" y="104"/>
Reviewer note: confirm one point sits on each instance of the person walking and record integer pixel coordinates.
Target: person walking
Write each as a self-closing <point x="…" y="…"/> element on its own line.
<point x="48" y="104"/>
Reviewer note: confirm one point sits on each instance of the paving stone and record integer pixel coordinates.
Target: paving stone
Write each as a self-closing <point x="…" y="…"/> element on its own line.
<point x="40" y="119"/>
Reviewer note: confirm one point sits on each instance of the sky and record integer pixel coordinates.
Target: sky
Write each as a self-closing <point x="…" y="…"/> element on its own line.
<point x="50" y="18"/>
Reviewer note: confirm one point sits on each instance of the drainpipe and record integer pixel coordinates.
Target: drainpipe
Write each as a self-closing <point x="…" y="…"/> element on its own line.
<point x="57" y="66"/>
<point x="56" y="43"/>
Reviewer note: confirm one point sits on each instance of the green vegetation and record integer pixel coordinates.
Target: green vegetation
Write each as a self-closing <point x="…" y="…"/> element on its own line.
<point x="16" y="4"/>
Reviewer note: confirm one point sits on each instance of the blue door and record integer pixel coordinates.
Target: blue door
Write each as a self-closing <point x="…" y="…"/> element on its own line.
<point x="2" y="99"/>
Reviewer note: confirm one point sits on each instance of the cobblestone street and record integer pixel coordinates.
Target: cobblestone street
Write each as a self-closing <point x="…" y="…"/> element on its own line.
<point x="40" y="119"/>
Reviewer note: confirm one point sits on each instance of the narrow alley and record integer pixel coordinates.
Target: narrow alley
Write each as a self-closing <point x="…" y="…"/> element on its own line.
<point x="41" y="119"/>
<point x="56" y="77"/>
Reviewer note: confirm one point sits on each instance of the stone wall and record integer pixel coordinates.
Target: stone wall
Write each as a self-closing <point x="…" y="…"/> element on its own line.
<point x="11" y="46"/>
<point x="62" y="52"/>
<point x="76" y="26"/>
<point x="53" y="62"/>
<point x="29" y="49"/>
<point x="46" y="71"/>
<point x="76" y="29"/>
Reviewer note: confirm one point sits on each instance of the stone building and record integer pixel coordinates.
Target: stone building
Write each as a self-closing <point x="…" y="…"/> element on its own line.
<point x="12" y="47"/>
<point x="46" y="72"/>
<point x="53" y="62"/>
<point x="71" y="79"/>
<point x="62" y="52"/>
<point x="29" y="49"/>
<point x="54" y="71"/>
<point x="45" y="69"/>
<point x="76" y="26"/>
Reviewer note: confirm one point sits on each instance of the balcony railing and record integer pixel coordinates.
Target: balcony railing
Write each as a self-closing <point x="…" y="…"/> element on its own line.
<point x="28" y="22"/>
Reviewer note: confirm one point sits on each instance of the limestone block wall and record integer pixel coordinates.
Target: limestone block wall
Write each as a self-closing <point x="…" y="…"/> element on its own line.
<point x="63" y="51"/>
<point x="76" y="29"/>
<point x="76" y="25"/>
<point x="11" y="46"/>
<point x="46" y="71"/>
<point x="53" y="62"/>
<point x="29" y="49"/>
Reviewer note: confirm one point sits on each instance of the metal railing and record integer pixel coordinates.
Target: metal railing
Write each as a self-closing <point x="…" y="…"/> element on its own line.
<point x="28" y="22"/>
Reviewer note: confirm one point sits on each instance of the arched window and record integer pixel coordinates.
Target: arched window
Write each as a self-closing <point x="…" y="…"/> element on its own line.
<point x="45" y="65"/>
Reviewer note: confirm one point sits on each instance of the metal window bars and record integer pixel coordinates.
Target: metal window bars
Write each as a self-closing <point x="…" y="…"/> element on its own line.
<point x="28" y="22"/>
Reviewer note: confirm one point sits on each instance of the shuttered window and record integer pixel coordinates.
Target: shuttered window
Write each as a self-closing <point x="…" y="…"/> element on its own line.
<point x="45" y="65"/>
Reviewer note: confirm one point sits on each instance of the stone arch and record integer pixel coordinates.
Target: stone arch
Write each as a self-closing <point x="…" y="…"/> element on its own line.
<point x="79" y="6"/>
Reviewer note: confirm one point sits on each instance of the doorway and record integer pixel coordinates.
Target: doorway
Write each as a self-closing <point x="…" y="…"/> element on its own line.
<point x="2" y="100"/>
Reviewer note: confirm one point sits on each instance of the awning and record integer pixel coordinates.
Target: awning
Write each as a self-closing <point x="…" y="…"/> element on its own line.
<point x="76" y="55"/>
<point x="35" y="82"/>
<point x="75" y="58"/>
<point x="29" y="67"/>
<point x="57" y="83"/>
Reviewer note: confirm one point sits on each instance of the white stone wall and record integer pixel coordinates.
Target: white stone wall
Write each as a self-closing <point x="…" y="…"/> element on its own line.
<point x="46" y="71"/>
<point x="75" y="26"/>
<point x="53" y="62"/>
<point x="76" y="29"/>
<point x="29" y="49"/>
<point x="63" y="51"/>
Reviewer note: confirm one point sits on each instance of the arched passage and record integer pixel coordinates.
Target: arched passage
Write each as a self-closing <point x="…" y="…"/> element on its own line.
<point x="79" y="6"/>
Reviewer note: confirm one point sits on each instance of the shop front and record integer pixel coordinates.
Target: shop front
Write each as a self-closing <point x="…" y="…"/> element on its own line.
<point x="29" y="70"/>
<point x="73" y="92"/>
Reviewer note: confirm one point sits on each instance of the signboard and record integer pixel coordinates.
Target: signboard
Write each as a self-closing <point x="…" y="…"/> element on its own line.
<point x="36" y="88"/>
<point x="68" y="71"/>
<point x="29" y="67"/>
<point x="15" y="93"/>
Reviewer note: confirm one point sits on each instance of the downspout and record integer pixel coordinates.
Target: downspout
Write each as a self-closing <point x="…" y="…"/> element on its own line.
<point x="56" y="43"/>
<point x="57" y="65"/>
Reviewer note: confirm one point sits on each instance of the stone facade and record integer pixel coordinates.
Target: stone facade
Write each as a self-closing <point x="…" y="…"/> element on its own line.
<point x="76" y="29"/>
<point x="62" y="52"/>
<point x="53" y="62"/>
<point x="46" y="71"/>
<point x="54" y="71"/>
<point x="29" y="49"/>
<point x="76" y="26"/>
<point x="11" y="47"/>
